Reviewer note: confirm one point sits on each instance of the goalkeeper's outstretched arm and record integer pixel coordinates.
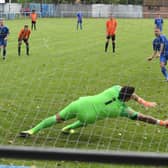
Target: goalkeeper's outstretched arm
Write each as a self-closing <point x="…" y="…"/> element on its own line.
<point x="145" y="118"/>
<point x="142" y="101"/>
<point x="151" y="120"/>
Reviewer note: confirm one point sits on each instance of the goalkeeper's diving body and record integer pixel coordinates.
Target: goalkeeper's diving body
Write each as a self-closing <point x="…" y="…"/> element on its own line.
<point x="87" y="110"/>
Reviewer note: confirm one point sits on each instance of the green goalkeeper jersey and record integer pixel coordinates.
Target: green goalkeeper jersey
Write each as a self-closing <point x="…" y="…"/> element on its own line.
<point x="88" y="109"/>
<point x="105" y="104"/>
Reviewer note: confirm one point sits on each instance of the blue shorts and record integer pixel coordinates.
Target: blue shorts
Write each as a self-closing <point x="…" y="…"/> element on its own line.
<point x="163" y="58"/>
<point x="79" y="21"/>
<point x="3" y="42"/>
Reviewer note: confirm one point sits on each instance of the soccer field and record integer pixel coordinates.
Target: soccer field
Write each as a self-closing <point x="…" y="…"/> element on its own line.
<point x="65" y="64"/>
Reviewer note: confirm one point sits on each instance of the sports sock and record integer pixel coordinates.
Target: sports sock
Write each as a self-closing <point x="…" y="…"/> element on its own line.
<point x="34" y="26"/>
<point x="44" y="124"/>
<point x="19" y="50"/>
<point x="27" y="49"/>
<point x="106" y="46"/>
<point x="113" y="44"/>
<point x="4" y="52"/>
<point x="164" y="72"/>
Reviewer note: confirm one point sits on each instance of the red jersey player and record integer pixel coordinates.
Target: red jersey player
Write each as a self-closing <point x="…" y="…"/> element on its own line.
<point x="33" y="17"/>
<point x="24" y="36"/>
<point x="111" y="26"/>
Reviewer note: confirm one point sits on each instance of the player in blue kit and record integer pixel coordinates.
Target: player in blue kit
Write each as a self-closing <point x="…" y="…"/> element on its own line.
<point x="160" y="48"/>
<point x="156" y="44"/>
<point x="79" y="20"/>
<point x="159" y="22"/>
<point x="4" y="32"/>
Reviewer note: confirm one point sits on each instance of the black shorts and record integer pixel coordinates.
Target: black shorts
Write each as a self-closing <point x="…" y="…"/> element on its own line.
<point x="113" y="37"/>
<point x="25" y="40"/>
<point x="33" y="22"/>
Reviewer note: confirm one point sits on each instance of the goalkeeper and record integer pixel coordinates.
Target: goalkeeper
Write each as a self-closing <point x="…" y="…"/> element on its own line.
<point x="87" y="110"/>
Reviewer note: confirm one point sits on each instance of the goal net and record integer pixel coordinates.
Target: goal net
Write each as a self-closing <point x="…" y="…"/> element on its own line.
<point x="65" y="64"/>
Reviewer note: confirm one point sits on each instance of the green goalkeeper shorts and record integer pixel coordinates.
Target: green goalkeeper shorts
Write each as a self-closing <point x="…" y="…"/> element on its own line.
<point x="82" y="110"/>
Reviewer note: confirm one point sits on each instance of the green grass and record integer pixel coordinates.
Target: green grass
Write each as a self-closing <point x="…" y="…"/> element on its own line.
<point x="65" y="64"/>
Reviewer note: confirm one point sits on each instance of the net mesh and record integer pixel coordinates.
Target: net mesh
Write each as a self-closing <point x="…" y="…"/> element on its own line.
<point x="65" y="64"/>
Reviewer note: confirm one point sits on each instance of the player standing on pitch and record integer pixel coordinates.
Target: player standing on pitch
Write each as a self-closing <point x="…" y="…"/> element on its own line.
<point x="33" y="17"/>
<point x="159" y="22"/>
<point x="79" y="20"/>
<point x="87" y="110"/>
<point x="4" y="32"/>
<point x="160" y="49"/>
<point x="24" y="36"/>
<point x="111" y="26"/>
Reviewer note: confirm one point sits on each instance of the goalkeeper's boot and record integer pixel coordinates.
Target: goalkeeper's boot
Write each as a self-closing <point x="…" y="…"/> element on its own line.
<point x="68" y="131"/>
<point x="26" y="134"/>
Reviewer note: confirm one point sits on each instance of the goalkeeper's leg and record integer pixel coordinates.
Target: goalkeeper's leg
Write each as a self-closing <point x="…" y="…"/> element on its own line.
<point x="43" y="124"/>
<point x="69" y="129"/>
<point x="67" y="113"/>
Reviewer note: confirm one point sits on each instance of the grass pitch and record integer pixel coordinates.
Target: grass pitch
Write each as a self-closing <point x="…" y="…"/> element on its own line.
<point x="65" y="64"/>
